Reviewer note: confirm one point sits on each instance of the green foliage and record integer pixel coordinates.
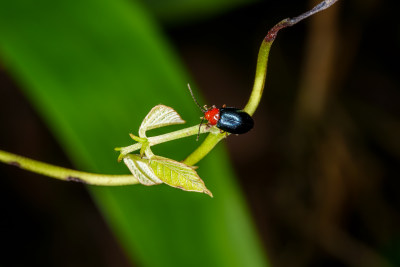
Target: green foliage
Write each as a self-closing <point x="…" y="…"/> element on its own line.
<point x="140" y="168"/>
<point x="153" y="169"/>
<point x="178" y="175"/>
<point x="93" y="69"/>
<point x="159" y="116"/>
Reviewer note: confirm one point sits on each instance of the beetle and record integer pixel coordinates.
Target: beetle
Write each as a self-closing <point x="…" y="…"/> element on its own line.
<point x="227" y="119"/>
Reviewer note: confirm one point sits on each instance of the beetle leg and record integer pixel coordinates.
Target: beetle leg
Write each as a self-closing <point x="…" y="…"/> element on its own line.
<point x="226" y="134"/>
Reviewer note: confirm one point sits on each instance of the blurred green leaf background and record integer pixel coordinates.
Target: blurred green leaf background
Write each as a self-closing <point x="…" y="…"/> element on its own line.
<point x="319" y="172"/>
<point x="93" y="69"/>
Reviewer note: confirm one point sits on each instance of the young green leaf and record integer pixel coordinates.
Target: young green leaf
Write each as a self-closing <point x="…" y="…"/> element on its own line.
<point x="177" y="174"/>
<point x="141" y="170"/>
<point x="159" y="169"/>
<point x="159" y="116"/>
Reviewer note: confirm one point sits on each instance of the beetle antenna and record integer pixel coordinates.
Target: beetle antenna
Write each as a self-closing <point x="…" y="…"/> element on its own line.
<point x="198" y="134"/>
<point x="195" y="101"/>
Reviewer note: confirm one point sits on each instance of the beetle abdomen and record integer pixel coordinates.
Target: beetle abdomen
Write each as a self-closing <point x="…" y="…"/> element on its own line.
<point x="234" y="120"/>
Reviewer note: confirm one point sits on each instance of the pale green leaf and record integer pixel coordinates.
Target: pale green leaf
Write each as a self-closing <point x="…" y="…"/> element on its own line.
<point x="159" y="116"/>
<point x="177" y="174"/>
<point x="140" y="168"/>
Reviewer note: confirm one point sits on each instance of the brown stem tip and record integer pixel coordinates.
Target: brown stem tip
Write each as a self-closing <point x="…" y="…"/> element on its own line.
<point x="290" y="22"/>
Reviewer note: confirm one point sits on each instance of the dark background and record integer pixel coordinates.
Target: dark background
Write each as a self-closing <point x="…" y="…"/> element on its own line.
<point x="319" y="171"/>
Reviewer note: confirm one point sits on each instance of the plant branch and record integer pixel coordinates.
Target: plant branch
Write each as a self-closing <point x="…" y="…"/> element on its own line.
<point x="64" y="173"/>
<point x="262" y="60"/>
<point x="208" y="144"/>
<point x="155" y="140"/>
<point x="261" y="71"/>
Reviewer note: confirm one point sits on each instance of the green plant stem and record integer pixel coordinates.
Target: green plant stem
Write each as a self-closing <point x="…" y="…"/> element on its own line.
<point x="259" y="81"/>
<point x="261" y="72"/>
<point x="208" y="144"/>
<point x="64" y="173"/>
<point x="155" y="140"/>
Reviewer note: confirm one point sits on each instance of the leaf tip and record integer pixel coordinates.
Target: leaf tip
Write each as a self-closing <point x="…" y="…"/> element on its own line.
<point x="120" y="157"/>
<point x="208" y="192"/>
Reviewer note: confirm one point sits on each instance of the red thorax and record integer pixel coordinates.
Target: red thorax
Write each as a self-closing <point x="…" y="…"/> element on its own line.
<point x="212" y="116"/>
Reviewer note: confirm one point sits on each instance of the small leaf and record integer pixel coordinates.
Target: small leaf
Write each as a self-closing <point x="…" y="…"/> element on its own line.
<point x="177" y="174"/>
<point x="159" y="116"/>
<point x="163" y="170"/>
<point x="140" y="168"/>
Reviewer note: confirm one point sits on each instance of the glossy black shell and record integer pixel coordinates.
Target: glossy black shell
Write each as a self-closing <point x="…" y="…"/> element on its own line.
<point x="234" y="120"/>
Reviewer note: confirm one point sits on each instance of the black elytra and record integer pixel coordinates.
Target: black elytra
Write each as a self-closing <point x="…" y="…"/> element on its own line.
<point x="234" y="120"/>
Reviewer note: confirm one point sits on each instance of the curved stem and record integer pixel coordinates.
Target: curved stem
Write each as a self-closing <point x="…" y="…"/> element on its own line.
<point x="64" y="173"/>
<point x="259" y="81"/>
<point x="261" y="72"/>
<point x="208" y="144"/>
